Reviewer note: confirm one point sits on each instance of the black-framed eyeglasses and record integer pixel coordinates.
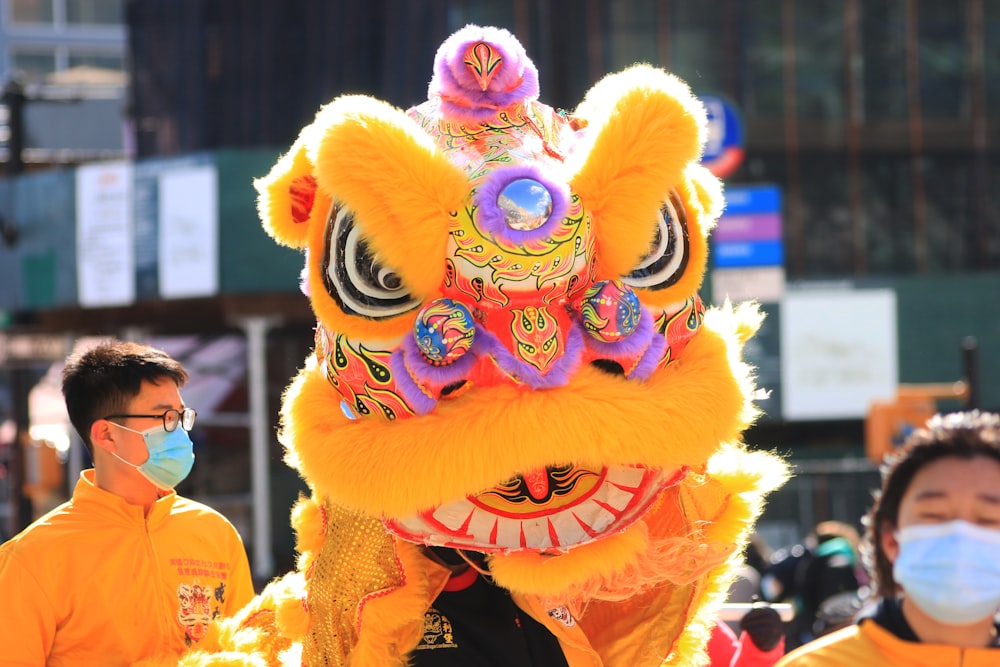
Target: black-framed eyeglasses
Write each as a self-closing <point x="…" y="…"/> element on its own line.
<point x="171" y="418"/>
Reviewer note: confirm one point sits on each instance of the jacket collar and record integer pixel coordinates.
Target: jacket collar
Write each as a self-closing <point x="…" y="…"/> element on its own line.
<point x="114" y="508"/>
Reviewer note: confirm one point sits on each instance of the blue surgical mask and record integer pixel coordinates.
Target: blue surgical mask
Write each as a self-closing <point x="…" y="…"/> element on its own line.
<point x="950" y="570"/>
<point x="171" y="456"/>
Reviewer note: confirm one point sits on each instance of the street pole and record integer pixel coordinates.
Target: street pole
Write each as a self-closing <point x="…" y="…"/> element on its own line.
<point x="20" y="514"/>
<point x="13" y="98"/>
<point x="20" y="504"/>
<point x="970" y="360"/>
<point x="255" y="328"/>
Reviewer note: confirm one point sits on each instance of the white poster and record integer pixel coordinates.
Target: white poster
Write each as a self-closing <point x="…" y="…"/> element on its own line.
<point x="105" y="252"/>
<point x="838" y="352"/>
<point x="189" y="232"/>
<point x="748" y="283"/>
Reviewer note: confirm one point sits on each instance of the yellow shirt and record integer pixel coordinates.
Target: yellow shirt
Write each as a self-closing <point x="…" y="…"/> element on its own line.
<point x="94" y="582"/>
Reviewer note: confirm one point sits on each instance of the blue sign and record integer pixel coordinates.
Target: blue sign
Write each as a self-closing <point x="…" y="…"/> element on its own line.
<point x="749" y="231"/>
<point x="725" y="142"/>
<point x="748" y="253"/>
<point x="745" y="199"/>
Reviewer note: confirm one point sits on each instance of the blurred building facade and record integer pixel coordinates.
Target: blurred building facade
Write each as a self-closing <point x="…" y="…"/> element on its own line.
<point x="63" y="65"/>
<point x="874" y="120"/>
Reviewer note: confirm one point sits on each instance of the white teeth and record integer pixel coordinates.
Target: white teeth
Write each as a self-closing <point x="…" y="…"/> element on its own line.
<point x="508" y="532"/>
<point x="567" y="527"/>
<point x="617" y="498"/>
<point x="453" y="515"/>
<point x="621" y="497"/>
<point x="627" y="477"/>
<point x="622" y="486"/>
<point x="481" y="525"/>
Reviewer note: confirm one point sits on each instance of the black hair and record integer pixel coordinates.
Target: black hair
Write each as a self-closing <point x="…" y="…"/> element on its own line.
<point x="104" y="379"/>
<point x="962" y="435"/>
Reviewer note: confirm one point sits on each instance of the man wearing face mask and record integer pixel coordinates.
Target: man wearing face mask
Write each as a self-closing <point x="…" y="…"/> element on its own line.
<point x="933" y="544"/>
<point x="127" y="569"/>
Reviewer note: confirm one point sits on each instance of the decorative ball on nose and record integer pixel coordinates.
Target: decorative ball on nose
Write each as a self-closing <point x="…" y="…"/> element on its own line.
<point x="610" y="311"/>
<point x="444" y="331"/>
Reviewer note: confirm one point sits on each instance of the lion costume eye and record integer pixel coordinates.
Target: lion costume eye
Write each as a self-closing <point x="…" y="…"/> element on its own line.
<point x="668" y="256"/>
<point x="353" y="277"/>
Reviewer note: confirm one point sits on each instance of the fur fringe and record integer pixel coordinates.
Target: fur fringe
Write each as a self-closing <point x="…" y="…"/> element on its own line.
<point x="644" y="126"/>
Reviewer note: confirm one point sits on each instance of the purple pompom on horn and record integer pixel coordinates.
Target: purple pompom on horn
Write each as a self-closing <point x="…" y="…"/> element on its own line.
<point x="478" y="71"/>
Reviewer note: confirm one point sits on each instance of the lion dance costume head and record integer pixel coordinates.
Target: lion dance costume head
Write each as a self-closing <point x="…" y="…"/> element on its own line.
<point x="512" y="363"/>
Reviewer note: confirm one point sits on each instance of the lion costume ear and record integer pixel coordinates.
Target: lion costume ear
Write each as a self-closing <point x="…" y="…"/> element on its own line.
<point x="286" y="198"/>
<point x="378" y="162"/>
<point x="643" y="127"/>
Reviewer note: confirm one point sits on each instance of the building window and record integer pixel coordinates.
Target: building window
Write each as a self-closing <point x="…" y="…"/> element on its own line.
<point x="95" y="12"/>
<point x="990" y="75"/>
<point x="110" y="61"/>
<point x="942" y="65"/>
<point x="764" y="94"/>
<point x="36" y="64"/>
<point x="819" y="52"/>
<point x="882" y="30"/>
<point x="33" y="65"/>
<point x="32" y="11"/>
<point x="68" y="12"/>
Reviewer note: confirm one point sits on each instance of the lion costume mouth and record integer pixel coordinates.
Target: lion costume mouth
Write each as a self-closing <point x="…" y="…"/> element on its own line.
<point x="549" y="511"/>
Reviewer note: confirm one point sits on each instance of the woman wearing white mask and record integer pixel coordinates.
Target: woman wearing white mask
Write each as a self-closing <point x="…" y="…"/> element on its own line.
<point x="934" y="547"/>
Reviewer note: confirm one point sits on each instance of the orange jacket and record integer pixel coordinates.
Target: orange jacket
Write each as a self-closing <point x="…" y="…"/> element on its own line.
<point x="868" y="644"/>
<point x="94" y="582"/>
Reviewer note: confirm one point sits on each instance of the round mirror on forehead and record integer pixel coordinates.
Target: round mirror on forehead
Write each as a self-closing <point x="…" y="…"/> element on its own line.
<point x="526" y="204"/>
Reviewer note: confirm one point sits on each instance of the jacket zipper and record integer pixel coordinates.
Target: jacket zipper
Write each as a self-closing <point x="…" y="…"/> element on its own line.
<point x="156" y="583"/>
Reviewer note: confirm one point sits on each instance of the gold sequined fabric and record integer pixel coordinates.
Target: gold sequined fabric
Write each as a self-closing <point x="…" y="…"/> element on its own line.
<point x="269" y="641"/>
<point x="358" y="559"/>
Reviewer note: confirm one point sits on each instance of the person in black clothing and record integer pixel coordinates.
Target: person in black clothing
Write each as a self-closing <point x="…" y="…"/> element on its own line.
<point x="478" y="624"/>
<point x="809" y="574"/>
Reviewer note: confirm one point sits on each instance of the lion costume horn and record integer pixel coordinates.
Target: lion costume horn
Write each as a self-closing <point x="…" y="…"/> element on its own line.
<point x="511" y="359"/>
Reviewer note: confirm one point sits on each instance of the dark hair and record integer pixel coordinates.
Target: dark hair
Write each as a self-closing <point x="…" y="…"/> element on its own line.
<point x="963" y="435"/>
<point x="103" y="380"/>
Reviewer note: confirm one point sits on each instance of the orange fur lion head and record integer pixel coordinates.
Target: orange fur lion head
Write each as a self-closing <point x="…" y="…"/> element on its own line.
<point x="511" y="354"/>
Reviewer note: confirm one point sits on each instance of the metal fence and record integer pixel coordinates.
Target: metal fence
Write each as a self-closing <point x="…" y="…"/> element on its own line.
<point x="820" y="490"/>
